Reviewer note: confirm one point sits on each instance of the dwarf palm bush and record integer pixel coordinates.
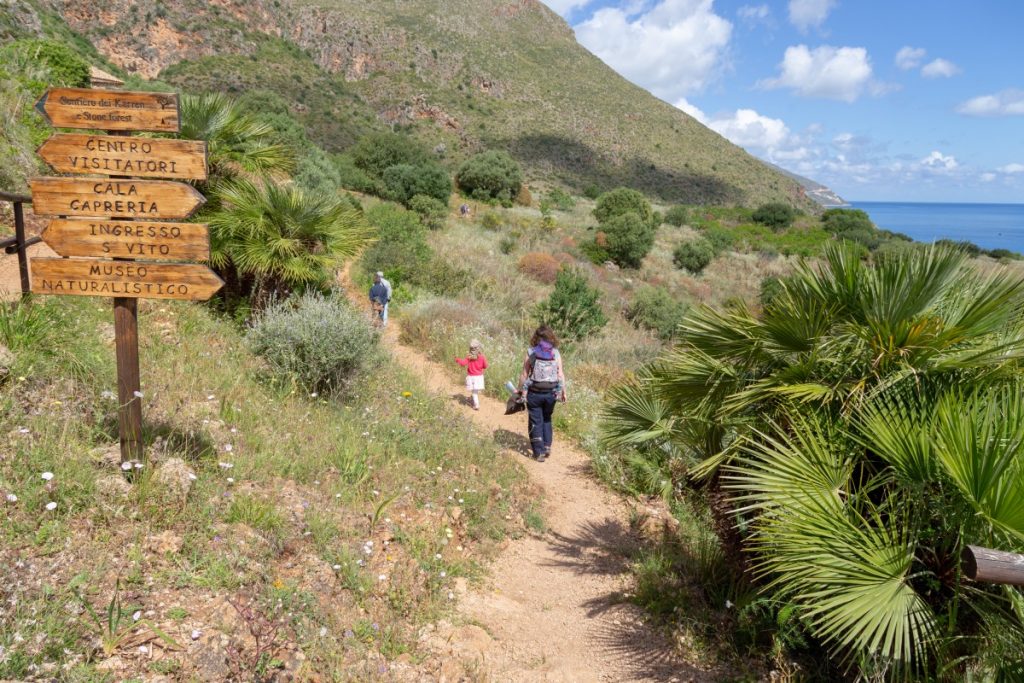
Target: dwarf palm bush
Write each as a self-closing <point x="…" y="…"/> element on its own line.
<point x="282" y="238"/>
<point x="867" y="426"/>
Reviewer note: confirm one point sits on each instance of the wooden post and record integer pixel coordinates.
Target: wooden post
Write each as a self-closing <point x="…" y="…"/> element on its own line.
<point x="993" y="566"/>
<point x="19" y="235"/>
<point x="129" y="380"/>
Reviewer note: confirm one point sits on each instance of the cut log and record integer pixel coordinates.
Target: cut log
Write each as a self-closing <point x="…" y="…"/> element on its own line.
<point x="993" y="566"/>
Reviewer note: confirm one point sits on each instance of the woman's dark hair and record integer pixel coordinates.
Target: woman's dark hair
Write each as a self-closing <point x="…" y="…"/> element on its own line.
<point x="544" y="333"/>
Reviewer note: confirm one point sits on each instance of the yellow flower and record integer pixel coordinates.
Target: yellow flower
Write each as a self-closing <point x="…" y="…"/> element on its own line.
<point x="406" y="394"/>
<point x="278" y="583"/>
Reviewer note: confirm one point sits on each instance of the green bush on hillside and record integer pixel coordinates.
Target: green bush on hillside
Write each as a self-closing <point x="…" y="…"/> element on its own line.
<point x="775" y="215"/>
<point x="655" y="309"/>
<point x="402" y="182"/>
<point x="432" y="211"/>
<point x="573" y="310"/>
<point x="694" y="256"/>
<point x="377" y="152"/>
<point x="677" y="216"/>
<point x="627" y="239"/>
<point x="561" y="200"/>
<point x="720" y="240"/>
<point x="621" y="201"/>
<point x="401" y="250"/>
<point x="316" y="341"/>
<point x="351" y="177"/>
<point x="45" y="63"/>
<point x="491" y="175"/>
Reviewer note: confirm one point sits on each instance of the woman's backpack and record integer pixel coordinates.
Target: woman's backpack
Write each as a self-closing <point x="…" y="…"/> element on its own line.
<point x="543" y="373"/>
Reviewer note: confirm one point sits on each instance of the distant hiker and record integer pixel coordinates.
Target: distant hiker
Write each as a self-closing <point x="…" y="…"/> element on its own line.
<point x="475" y="363"/>
<point x="380" y="297"/>
<point x="464" y="210"/>
<point x="543" y="381"/>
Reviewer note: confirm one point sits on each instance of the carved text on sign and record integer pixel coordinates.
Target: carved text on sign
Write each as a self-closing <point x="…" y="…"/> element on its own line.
<point x="91" y="277"/>
<point x="125" y="198"/>
<point x="110" y="109"/>
<point x="119" y="239"/>
<point x="110" y="155"/>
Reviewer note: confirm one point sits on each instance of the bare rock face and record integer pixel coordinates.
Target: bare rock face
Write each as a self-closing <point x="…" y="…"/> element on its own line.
<point x="175" y="477"/>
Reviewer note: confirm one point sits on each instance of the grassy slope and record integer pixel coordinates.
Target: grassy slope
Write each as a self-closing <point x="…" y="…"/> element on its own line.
<point x="507" y="74"/>
<point x="309" y="476"/>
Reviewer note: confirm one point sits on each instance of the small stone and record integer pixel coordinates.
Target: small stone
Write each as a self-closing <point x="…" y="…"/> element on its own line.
<point x="175" y="477"/>
<point x="112" y="490"/>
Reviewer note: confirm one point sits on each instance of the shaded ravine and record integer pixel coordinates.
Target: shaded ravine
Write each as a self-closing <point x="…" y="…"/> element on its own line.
<point x="554" y="602"/>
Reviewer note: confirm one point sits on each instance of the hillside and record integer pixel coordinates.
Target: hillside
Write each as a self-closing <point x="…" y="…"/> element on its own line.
<point x="463" y="76"/>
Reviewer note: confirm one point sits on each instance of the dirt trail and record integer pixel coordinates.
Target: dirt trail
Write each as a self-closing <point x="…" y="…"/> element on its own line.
<point x="554" y="603"/>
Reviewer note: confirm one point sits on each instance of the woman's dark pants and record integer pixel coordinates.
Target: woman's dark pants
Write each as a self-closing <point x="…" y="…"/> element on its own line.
<point x="540" y="407"/>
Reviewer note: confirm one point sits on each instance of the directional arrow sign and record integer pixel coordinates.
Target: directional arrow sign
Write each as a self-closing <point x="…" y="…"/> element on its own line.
<point x="113" y="198"/>
<point x="94" y="277"/>
<point x="110" y="109"/>
<point x="129" y="239"/>
<point x="131" y="156"/>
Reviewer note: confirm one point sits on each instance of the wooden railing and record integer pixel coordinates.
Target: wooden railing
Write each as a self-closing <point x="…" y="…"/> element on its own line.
<point x="18" y="244"/>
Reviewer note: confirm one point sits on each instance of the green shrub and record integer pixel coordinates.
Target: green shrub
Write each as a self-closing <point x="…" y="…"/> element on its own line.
<point x="838" y="221"/>
<point x="621" y="201"/>
<point x="694" y="256"/>
<point x="316" y="341"/>
<point x="719" y="239"/>
<point x="491" y="220"/>
<point x="401" y="250"/>
<point x="378" y="152"/>
<point x="771" y="288"/>
<point x="561" y="200"/>
<point x="628" y="239"/>
<point x="591" y="191"/>
<point x="432" y="211"/>
<point x="655" y="309"/>
<point x="490" y="175"/>
<point x="677" y="216"/>
<point x="402" y="182"/>
<point x="352" y="177"/>
<point x="573" y="310"/>
<point x="61" y="64"/>
<point x="314" y="171"/>
<point x="775" y="215"/>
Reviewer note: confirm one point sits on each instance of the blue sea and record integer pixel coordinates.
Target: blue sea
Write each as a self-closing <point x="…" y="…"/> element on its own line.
<point x="990" y="226"/>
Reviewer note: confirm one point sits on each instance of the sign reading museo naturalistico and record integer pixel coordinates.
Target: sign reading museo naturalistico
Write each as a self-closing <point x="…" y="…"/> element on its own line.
<point x="117" y="233"/>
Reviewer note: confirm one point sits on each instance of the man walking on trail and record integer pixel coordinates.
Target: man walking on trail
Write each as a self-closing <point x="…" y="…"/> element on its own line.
<point x="380" y="294"/>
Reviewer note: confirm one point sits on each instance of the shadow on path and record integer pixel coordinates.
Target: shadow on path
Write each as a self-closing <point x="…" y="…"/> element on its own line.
<point x="513" y="441"/>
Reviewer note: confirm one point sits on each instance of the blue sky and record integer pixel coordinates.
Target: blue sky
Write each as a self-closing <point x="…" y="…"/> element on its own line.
<point x="911" y="100"/>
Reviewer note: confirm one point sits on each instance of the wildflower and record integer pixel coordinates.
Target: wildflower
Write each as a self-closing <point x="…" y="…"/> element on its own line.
<point x="143" y="649"/>
<point x="137" y="615"/>
<point x="137" y="394"/>
<point x="51" y="506"/>
<point x="383" y="577"/>
<point x="444" y="574"/>
<point x="126" y="466"/>
<point x="337" y="567"/>
<point x="11" y="498"/>
<point x="313" y="395"/>
<point x="228" y="448"/>
<point x="138" y="465"/>
<point x="406" y="394"/>
<point x="728" y="604"/>
<point x="437" y="556"/>
<point x="196" y="634"/>
<point x="323" y="631"/>
<point x="448" y="532"/>
<point x="210" y="397"/>
<point x="107" y="394"/>
<point x="23" y="430"/>
<point x="231" y="480"/>
<point x="278" y="583"/>
<point x="192" y="476"/>
<point x="47" y="476"/>
<point x="349" y="633"/>
<point x="337" y="495"/>
<point x="225" y="465"/>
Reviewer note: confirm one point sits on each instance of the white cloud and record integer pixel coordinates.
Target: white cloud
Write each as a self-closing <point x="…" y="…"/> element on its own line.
<point x="841" y="73"/>
<point x="761" y="135"/>
<point x="753" y="13"/>
<point x="805" y="14"/>
<point x="1011" y="168"/>
<point x="1005" y="103"/>
<point x="937" y="161"/>
<point x="910" y="57"/>
<point x="692" y="109"/>
<point x="987" y="177"/>
<point x="675" y="48"/>
<point x="940" y="68"/>
<point x="564" y="7"/>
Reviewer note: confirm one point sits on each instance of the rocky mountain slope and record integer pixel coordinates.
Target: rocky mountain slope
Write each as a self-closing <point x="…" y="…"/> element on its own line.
<point x="462" y="75"/>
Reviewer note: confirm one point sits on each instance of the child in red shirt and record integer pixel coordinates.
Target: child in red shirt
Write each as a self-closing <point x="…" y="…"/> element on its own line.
<point x="475" y="363"/>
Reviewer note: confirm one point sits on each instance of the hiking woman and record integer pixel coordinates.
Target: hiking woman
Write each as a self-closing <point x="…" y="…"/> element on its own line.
<point x="543" y="381"/>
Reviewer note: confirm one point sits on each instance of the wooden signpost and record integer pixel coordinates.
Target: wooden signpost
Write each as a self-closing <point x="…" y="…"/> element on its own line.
<point x="160" y="241"/>
<point x="132" y="156"/>
<point x="110" y="110"/>
<point x="109" y="197"/>
<point x="111" y="253"/>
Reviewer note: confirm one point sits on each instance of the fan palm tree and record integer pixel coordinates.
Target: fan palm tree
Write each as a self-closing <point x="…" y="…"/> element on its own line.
<point x="867" y="425"/>
<point x="283" y="237"/>
<point x="237" y="143"/>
